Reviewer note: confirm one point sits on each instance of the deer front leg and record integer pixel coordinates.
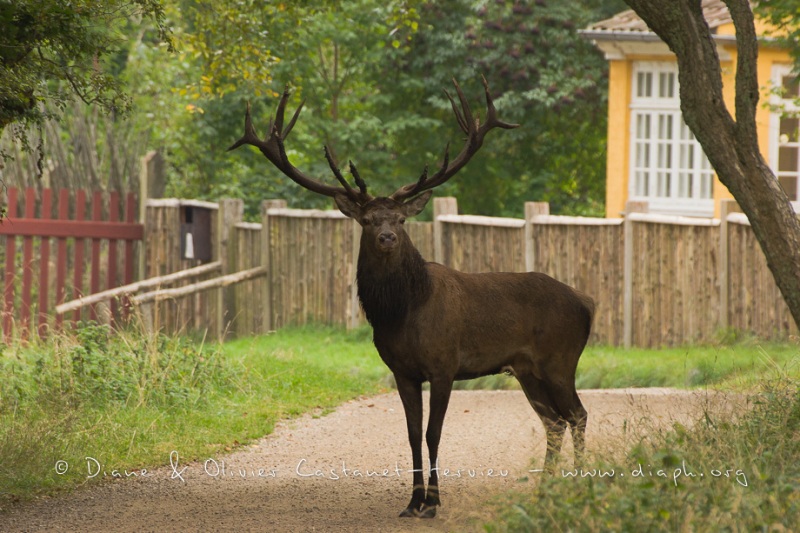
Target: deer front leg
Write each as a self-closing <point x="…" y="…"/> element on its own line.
<point x="440" y="398"/>
<point x="411" y="396"/>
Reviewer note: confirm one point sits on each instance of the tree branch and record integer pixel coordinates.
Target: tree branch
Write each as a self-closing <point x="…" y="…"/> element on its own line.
<point x="746" y="75"/>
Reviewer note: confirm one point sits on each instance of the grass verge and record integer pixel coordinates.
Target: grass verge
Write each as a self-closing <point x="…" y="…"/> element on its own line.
<point x="720" y="475"/>
<point x="128" y="400"/>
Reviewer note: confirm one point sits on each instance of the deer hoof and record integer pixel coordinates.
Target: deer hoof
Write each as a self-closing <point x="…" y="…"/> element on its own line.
<point x="409" y="512"/>
<point x="427" y="511"/>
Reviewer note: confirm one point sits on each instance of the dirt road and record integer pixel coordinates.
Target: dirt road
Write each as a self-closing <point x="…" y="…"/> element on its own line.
<point x="348" y="471"/>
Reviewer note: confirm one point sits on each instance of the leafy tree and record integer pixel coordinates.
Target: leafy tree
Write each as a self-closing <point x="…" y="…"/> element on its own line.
<point x="52" y="51"/>
<point x="731" y="143"/>
<point x="230" y="52"/>
<point x="371" y="75"/>
<point x="542" y="74"/>
<point x="784" y="16"/>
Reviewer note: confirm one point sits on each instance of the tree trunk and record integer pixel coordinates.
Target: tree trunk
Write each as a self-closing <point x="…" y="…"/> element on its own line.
<point x="731" y="145"/>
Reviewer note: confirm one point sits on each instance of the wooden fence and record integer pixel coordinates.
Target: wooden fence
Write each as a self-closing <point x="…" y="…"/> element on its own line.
<point x="70" y="246"/>
<point x="166" y="226"/>
<point x="656" y="281"/>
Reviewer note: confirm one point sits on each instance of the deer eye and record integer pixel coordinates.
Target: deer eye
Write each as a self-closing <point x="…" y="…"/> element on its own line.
<point x="402" y="220"/>
<point x="365" y="221"/>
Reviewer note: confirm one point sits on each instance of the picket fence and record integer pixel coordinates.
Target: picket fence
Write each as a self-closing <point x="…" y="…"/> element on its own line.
<point x="63" y="246"/>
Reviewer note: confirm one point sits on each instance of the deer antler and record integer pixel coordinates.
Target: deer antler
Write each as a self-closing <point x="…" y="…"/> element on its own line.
<point x="274" y="150"/>
<point x="475" y="134"/>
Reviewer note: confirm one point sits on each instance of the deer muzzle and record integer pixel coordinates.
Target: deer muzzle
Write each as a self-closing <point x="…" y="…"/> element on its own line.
<point x="387" y="240"/>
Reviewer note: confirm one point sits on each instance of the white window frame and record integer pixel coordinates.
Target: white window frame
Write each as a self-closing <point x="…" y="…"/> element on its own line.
<point x="780" y="106"/>
<point x="668" y="168"/>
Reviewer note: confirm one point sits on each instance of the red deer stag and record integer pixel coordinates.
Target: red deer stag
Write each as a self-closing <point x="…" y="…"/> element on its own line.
<point x="432" y="323"/>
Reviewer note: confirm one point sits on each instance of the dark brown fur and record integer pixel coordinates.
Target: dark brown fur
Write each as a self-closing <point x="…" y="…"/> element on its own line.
<point x="435" y="324"/>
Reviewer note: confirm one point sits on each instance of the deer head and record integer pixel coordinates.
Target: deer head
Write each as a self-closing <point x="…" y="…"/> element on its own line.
<point x="381" y="217"/>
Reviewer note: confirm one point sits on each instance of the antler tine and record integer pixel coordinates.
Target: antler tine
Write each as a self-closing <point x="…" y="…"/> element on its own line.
<point x="274" y="150"/>
<point x="459" y="118"/>
<point x="362" y="185"/>
<point x="467" y="117"/>
<point x="282" y="108"/>
<point x="288" y="129"/>
<point x="336" y="172"/>
<point x="250" y="136"/>
<point x="476" y="132"/>
<point x="491" y="113"/>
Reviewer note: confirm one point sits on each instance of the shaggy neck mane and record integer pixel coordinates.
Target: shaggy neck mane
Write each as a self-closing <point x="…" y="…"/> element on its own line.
<point x="391" y="287"/>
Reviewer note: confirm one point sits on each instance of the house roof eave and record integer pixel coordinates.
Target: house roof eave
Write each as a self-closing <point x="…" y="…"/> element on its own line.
<point x="619" y="44"/>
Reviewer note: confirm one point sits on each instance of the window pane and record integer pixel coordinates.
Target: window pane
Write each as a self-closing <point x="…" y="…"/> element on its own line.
<point x="643" y="126"/>
<point x="644" y="84"/>
<point x="689" y="156"/>
<point x="791" y="86"/>
<point x="641" y="183"/>
<point x="642" y="155"/>
<point x="666" y="85"/>
<point x="705" y="186"/>
<point x="789" y="184"/>
<point x="686" y="133"/>
<point x="789" y="128"/>
<point x="787" y="159"/>
<point x="665" y="127"/>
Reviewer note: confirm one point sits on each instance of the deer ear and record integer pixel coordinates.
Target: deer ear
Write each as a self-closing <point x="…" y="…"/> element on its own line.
<point x="348" y="206"/>
<point x="415" y="206"/>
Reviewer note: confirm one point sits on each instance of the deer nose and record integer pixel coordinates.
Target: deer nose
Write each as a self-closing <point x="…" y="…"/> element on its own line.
<point x="387" y="239"/>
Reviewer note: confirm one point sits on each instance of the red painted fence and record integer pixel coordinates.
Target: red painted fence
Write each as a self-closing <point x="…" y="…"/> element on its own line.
<point x="35" y="282"/>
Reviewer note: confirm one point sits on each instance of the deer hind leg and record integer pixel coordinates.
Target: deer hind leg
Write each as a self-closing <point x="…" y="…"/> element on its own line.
<point x="569" y="405"/>
<point x="555" y="424"/>
<point x="411" y="396"/>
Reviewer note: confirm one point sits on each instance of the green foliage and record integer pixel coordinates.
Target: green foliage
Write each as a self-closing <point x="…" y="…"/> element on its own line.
<point x="52" y="51"/>
<point x="96" y="367"/>
<point x="726" y="473"/>
<point x="128" y="399"/>
<point x="542" y="75"/>
<point x="371" y="75"/>
<point x="784" y="16"/>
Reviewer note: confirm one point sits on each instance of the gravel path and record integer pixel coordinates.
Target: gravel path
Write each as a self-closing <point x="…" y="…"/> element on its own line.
<point x="348" y="471"/>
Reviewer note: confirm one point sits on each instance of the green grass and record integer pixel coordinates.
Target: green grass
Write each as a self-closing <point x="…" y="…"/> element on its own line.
<point x="129" y="400"/>
<point x="723" y="474"/>
<point x="739" y="366"/>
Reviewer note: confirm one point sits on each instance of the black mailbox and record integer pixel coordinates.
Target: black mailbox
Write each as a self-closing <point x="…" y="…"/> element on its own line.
<point x="195" y="231"/>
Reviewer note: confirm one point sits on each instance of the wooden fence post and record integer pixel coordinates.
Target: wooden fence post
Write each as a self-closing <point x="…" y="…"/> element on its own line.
<point x="152" y="184"/>
<point x="441" y="206"/>
<point x="230" y="212"/>
<point x="726" y="207"/>
<point x="266" y="260"/>
<point x="532" y="209"/>
<point x="627" y="293"/>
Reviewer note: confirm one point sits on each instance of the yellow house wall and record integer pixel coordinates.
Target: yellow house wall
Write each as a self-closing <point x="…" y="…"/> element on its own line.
<point x="618" y="144"/>
<point x="619" y="97"/>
